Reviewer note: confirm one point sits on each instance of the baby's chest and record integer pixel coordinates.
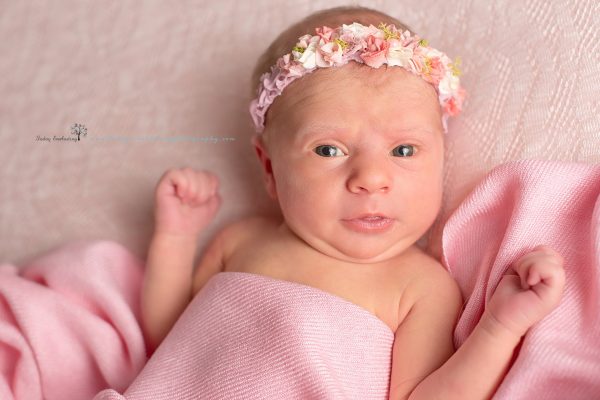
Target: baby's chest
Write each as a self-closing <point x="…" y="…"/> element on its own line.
<point x="375" y="291"/>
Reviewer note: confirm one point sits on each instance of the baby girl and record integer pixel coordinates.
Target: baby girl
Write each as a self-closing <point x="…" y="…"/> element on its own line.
<point x="350" y="124"/>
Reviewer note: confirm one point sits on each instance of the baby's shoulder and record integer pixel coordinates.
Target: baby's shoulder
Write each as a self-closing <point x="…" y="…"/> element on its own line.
<point x="430" y="276"/>
<point x="239" y="231"/>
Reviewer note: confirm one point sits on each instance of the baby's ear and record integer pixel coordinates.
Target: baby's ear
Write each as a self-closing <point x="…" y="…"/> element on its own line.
<point x="265" y="162"/>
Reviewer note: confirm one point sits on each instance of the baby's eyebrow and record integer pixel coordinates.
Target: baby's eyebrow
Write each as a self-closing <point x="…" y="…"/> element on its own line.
<point x="319" y="128"/>
<point x="418" y="129"/>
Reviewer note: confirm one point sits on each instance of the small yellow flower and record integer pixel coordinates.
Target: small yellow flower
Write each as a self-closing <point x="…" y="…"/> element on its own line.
<point x="423" y="42"/>
<point x="387" y="32"/>
<point x="427" y="65"/>
<point x="342" y="43"/>
<point x="455" y="67"/>
<point x="298" y="49"/>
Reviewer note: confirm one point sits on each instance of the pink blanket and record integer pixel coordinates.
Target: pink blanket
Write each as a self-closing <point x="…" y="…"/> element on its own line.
<point x="248" y="336"/>
<point x="68" y="323"/>
<point x="518" y="206"/>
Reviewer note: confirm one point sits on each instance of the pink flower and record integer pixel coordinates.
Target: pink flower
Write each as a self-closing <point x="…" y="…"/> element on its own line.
<point x="453" y="105"/>
<point x="354" y="45"/>
<point x="325" y="33"/>
<point x="303" y="41"/>
<point x="375" y="50"/>
<point x="374" y="31"/>
<point x="416" y="64"/>
<point x="450" y="107"/>
<point x="331" y="54"/>
<point x="433" y="70"/>
<point x="289" y="66"/>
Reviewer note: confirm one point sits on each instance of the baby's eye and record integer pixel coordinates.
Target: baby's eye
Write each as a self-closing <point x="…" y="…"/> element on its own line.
<point x="404" y="150"/>
<point x="328" y="150"/>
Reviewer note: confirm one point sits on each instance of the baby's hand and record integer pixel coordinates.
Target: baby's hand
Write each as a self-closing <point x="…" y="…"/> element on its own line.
<point x="186" y="201"/>
<point x="524" y="299"/>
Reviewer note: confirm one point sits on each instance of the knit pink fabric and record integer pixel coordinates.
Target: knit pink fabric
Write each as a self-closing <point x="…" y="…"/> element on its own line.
<point x="518" y="206"/>
<point x="69" y="323"/>
<point x="249" y="336"/>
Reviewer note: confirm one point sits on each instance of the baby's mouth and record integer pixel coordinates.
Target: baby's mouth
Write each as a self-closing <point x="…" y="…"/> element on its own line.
<point x="369" y="223"/>
<point x="374" y="218"/>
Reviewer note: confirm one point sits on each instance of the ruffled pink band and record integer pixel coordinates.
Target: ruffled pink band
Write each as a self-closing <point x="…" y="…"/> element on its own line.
<point x="374" y="46"/>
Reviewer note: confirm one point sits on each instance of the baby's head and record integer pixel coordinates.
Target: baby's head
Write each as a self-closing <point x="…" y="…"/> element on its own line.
<point x="355" y="138"/>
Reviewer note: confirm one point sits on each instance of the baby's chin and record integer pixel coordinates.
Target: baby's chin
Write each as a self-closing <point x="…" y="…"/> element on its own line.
<point x="365" y="253"/>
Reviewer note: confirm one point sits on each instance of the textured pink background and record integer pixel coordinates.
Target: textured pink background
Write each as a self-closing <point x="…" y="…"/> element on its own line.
<point x="160" y="69"/>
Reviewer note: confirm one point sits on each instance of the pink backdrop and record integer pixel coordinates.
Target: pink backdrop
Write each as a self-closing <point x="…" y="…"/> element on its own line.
<point x="154" y="81"/>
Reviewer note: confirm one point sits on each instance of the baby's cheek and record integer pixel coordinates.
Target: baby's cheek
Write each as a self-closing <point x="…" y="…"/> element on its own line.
<point x="426" y="194"/>
<point x="290" y="192"/>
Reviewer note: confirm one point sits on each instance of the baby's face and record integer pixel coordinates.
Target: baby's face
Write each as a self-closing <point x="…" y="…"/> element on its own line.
<point x="354" y="140"/>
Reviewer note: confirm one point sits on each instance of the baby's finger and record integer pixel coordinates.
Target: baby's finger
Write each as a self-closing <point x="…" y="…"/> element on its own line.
<point x="524" y="284"/>
<point x="214" y="184"/>
<point x="530" y="255"/>
<point x="512" y="272"/>
<point x="179" y="180"/>
<point x="207" y="177"/>
<point x="211" y="203"/>
<point x="550" y="272"/>
<point x="192" y="185"/>
<point x="537" y="253"/>
<point x="522" y="260"/>
<point x="214" y="202"/>
<point x="208" y="184"/>
<point x="522" y="272"/>
<point x="201" y="200"/>
<point x="521" y="266"/>
<point x="533" y="277"/>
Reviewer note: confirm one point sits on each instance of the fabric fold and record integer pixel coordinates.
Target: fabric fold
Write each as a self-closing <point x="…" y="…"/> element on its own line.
<point x="69" y="323"/>
<point x="518" y="206"/>
<point x="249" y="336"/>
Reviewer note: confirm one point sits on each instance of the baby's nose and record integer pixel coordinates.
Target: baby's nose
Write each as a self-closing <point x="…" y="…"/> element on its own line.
<point x="370" y="178"/>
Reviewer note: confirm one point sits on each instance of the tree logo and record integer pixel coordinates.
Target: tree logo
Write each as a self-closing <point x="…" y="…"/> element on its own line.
<point x="78" y="129"/>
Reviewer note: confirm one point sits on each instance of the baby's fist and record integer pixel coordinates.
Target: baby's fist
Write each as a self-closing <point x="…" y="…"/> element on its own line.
<point x="524" y="299"/>
<point x="186" y="200"/>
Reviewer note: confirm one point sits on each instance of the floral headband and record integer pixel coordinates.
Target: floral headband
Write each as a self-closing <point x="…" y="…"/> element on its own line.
<point x="370" y="45"/>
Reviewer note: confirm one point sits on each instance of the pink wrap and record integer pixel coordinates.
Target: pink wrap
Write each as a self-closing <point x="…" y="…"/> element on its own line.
<point x="248" y="336"/>
<point x="518" y="206"/>
<point x="68" y="323"/>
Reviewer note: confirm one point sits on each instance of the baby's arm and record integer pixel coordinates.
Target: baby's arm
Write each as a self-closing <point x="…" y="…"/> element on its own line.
<point x="480" y="364"/>
<point x="185" y="202"/>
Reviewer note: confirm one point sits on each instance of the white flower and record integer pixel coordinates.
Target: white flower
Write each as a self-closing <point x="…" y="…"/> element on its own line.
<point x="308" y="58"/>
<point x="449" y="84"/>
<point x="399" y="55"/>
<point x="355" y="28"/>
<point x="433" y="53"/>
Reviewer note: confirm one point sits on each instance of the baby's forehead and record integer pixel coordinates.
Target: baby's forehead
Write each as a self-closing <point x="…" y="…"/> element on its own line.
<point x="327" y="93"/>
<point x="358" y="81"/>
<point x="362" y="74"/>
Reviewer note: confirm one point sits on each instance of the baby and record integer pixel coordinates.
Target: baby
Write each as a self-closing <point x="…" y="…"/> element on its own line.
<point x="350" y="136"/>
